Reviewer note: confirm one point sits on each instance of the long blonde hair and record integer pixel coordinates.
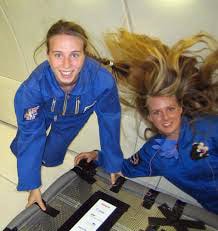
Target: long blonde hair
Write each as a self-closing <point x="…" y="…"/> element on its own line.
<point x="145" y="67"/>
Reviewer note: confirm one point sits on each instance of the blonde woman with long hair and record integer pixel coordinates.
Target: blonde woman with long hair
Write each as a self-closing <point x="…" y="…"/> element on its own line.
<point x="175" y="89"/>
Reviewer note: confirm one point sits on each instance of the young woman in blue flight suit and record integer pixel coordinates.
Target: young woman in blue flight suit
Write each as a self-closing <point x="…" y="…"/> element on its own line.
<point x="178" y="95"/>
<point x="62" y="93"/>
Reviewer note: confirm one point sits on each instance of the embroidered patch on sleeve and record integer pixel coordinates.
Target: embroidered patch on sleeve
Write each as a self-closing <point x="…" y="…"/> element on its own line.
<point x="31" y="113"/>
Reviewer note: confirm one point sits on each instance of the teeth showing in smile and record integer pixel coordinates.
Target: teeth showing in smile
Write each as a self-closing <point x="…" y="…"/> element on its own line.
<point x="166" y="124"/>
<point x="66" y="72"/>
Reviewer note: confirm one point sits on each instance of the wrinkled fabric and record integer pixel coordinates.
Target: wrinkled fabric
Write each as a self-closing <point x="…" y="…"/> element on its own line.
<point x="40" y="103"/>
<point x="196" y="177"/>
<point x="166" y="148"/>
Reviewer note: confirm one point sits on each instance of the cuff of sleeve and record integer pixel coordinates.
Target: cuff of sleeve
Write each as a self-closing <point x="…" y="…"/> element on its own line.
<point x="110" y="166"/>
<point x="22" y="187"/>
<point x="29" y="182"/>
<point x="96" y="161"/>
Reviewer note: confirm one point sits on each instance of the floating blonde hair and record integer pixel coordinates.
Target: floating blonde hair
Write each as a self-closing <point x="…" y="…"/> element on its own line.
<point x="187" y="70"/>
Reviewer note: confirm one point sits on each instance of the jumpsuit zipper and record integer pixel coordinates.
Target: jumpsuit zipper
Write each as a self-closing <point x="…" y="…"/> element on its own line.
<point x="53" y="104"/>
<point x="55" y="118"/>
<point x="77" y="105"/>
<point x="65" y="104"/>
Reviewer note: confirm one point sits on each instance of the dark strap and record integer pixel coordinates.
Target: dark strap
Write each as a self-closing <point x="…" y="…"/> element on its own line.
<point x="86" y="171"/>
<point x="118" y="184"/>
<point x="149" y="198"/>
<point x="173" y="218"/>
<point x="50" y="210"/>
<point x="152" y="228"/>
<point x="8" y="229"/>
<point x="178" y="208"/>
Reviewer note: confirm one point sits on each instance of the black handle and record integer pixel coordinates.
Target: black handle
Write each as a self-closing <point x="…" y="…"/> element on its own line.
<point x="86" y="171"/>
<point x="49" y="210"/>
<point x="118" y="184"/>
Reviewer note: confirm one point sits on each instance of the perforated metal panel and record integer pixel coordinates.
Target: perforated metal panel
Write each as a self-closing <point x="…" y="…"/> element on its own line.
<point x="70" y="192"/>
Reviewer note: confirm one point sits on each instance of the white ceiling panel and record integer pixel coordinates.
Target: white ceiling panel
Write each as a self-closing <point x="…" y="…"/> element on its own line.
<point x="171" y="20"/>
<point x="12" y="64"/>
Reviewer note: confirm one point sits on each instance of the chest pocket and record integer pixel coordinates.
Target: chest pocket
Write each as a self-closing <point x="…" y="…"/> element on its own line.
<point x="68" y="105"/>
<point x="83" y="104"/>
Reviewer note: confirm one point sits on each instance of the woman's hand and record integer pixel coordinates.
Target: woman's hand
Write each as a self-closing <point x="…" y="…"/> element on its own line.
<point x="89" y="156"/>
<point x="93" y="155"/>
<point x="114" y="177"/>
<point x="35" y="197"/>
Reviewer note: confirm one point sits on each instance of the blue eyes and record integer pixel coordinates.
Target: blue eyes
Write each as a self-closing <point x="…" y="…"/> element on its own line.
<point x="155" y="112"/>
<point x="73" y="55"/>
<point x="172" y="109"/>
<point x="57" y="55"/>
<point x="169" y="109"/>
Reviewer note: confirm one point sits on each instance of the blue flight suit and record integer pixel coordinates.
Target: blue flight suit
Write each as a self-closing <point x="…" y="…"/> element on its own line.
<point x="181" y="163"/>
<point x="40" y="102"/>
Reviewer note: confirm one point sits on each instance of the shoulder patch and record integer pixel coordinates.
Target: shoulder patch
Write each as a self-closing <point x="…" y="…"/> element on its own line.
<point x="31" y="113"/>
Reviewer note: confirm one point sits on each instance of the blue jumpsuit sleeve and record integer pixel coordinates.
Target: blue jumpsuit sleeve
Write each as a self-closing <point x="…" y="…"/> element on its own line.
<point x="109" y="112"/>
<point x="213" y="128"/>
<point x="140" y="164"/>
<point x="30" y="139"/>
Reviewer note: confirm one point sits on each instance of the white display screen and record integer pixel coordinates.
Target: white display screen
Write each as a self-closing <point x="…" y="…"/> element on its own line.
<point x="95" y="217"/>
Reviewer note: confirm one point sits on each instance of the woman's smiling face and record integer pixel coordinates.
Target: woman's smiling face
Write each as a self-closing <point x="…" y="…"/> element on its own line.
<point x="66" y="57"/>
<point x="165" y="114"/>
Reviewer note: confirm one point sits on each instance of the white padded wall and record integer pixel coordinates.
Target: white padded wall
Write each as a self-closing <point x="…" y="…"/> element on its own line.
<point x="88" y="138"/>
<point x="12" y="64"/>
<point x="8" y="87"/>
<point x="171" y="20"/>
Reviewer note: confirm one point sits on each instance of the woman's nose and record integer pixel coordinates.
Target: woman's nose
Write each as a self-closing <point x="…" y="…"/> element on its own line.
<point x="165" y="115"/>
<point x="66" y="63"/>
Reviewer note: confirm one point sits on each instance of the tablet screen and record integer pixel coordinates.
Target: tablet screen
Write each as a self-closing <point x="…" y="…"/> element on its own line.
<point x="94" y="217"/>
<point x="100" y="212"/>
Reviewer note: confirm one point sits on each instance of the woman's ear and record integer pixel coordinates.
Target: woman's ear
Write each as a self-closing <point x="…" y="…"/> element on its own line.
<point x="149" y="118"/>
